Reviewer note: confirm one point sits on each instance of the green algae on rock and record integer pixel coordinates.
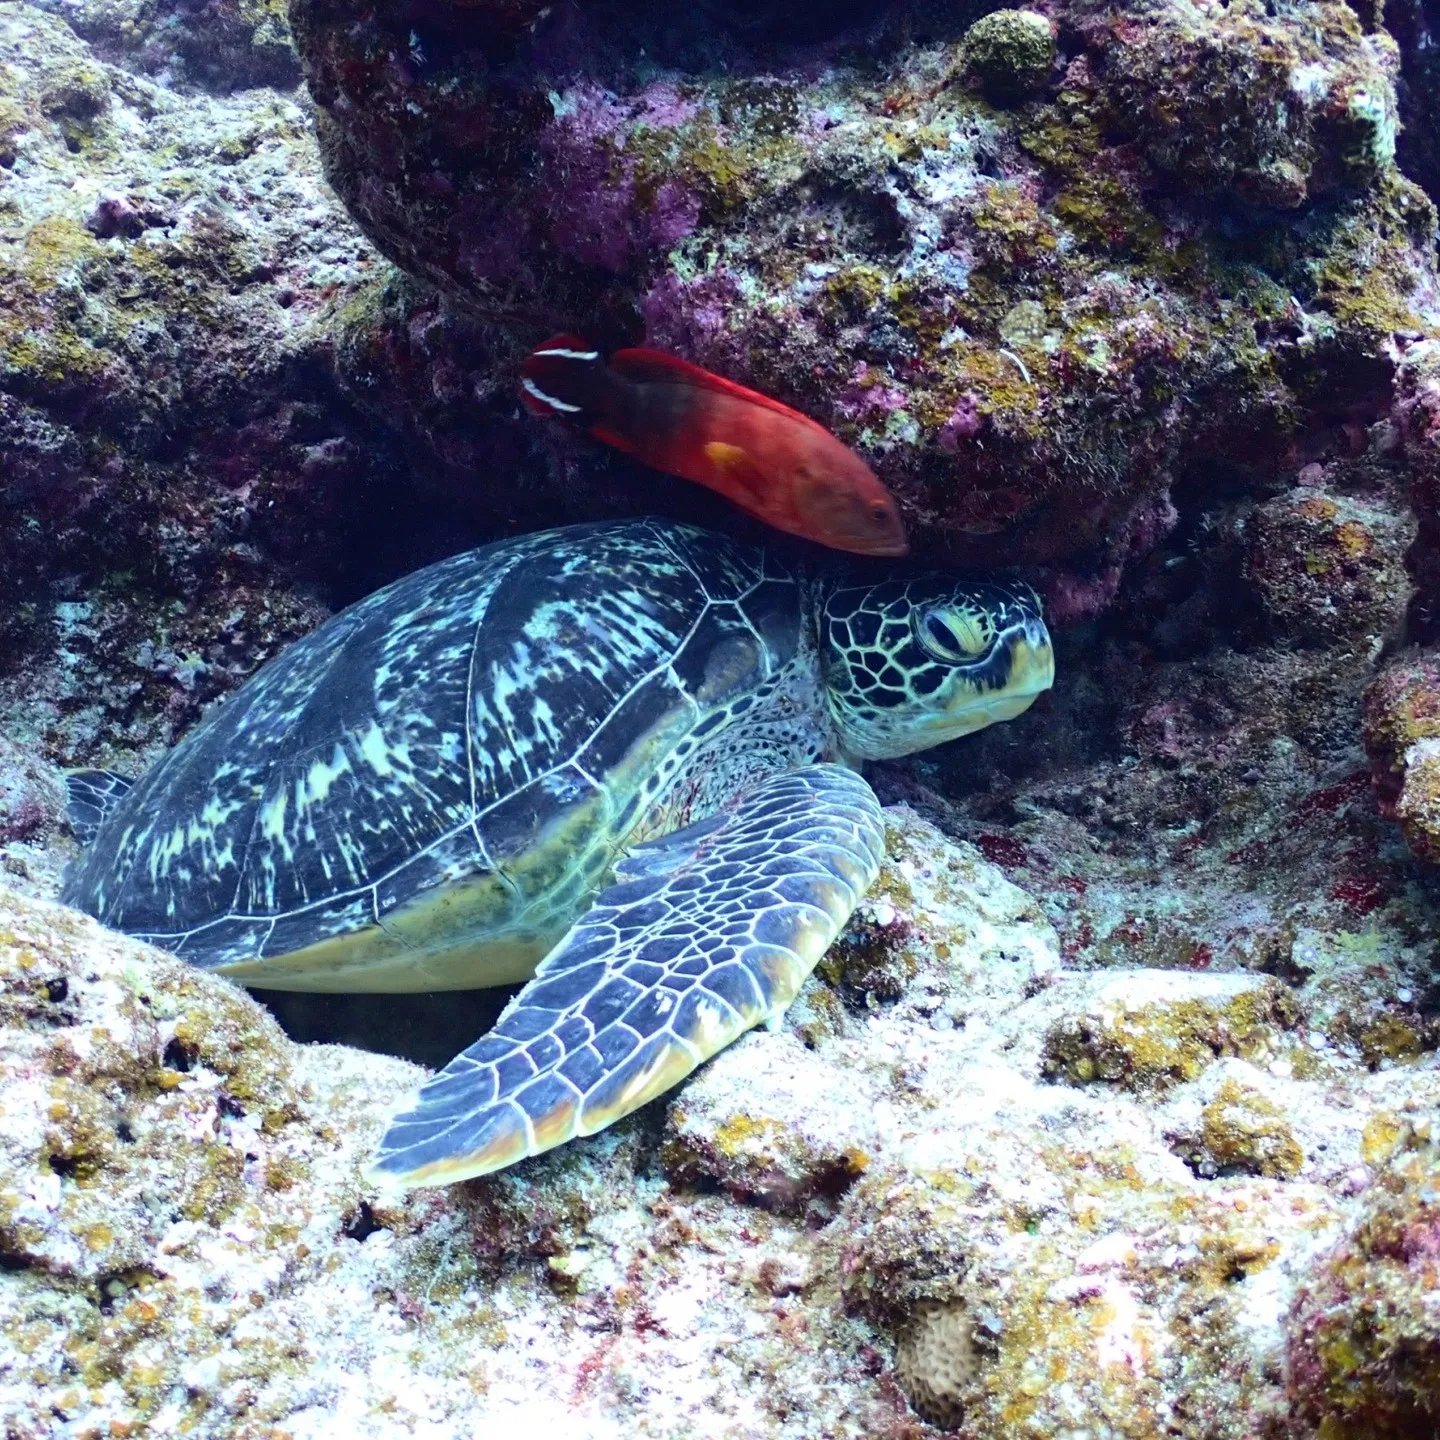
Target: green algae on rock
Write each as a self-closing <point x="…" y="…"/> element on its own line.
<point x="1006" y="302"/>
<point x="179" y="466"/>
<point x="188" y="1243"/>
<point x="264" y="1283"/>
<point x="1020" y="1304"/>
<point x="1324" y="566"/>
<point x="1402" y="737"/>
<point x="1242" y="1133"/>
<point x="1140" y="1037"/>
<point x="1246" y="100"/>
<point x="111" y="1054"/>
<point x="796" y="1137"/>
<point x="1025" y="317"/>
<point x="1009" y="52"/>
<point x="1364" y="1353"/>
<point x="218" y="45"/>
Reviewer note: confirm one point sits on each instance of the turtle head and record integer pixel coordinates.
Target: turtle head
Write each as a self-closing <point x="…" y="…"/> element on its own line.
<point x="913" y="663"/>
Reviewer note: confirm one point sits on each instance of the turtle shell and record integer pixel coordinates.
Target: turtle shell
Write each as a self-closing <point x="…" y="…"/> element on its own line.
<point x="426" y="790"/>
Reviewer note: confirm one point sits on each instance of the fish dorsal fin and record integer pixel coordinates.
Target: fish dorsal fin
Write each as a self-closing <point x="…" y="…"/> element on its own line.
<point x="568" y="347"/>
<point x="654" y="367"/>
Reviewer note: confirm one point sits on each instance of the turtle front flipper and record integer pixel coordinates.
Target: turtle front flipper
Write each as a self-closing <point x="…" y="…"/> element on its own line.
<point x="705" y="933"/>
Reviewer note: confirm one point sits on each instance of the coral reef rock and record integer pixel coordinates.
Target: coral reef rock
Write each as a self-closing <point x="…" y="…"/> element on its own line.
<point x="1194" y="793"/>
<point x="1415" y="24"/>
<point x="1009" y="52"/>
<point x="175" y="464"/>
<point x="218" y="45"/>
<point x="1402" y="736"/>
<point x="1364" y="1354"/>
<point x="1044" y="269"/>
<point x="811" y="1140"/>
<point x="1419" y="415"/>
<point x="889" y="1208"/>
<point x="32" y="819"/>
<point x="222" y="413"/>
<point x="1110" y="1116"/>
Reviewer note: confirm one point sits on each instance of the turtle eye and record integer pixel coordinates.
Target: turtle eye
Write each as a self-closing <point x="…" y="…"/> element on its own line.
<point x="951" y="637"/>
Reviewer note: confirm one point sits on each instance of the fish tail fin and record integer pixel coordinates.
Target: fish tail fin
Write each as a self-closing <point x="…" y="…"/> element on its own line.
<point x="568" y="378"/>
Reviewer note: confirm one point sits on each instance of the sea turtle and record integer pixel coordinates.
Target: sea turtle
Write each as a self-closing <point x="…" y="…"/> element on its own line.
<point x="609" y="749"/>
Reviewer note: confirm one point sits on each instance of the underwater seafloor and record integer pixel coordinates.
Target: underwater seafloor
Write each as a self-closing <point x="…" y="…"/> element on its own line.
<point x="1113" y="1112"/>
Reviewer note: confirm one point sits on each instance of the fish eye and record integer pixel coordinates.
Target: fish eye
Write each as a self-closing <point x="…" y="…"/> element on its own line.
<point x="879" y="510"/>
<point x="954" y="638"/>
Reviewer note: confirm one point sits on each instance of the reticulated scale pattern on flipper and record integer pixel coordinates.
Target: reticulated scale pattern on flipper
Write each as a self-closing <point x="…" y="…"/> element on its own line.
<point x="704" y="934"/>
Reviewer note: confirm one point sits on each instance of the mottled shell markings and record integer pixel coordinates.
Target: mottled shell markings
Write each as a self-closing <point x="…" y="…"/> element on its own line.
<point x="415" y="743"/>
<point x="434" y="789"/>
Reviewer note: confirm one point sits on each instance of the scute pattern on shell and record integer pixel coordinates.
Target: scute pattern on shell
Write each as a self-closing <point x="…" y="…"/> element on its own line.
<point x="405" y="745"/>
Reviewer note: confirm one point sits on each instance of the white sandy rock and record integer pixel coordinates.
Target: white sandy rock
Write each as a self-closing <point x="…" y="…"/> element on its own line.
<point x="771" y="1122"/>
<point x="32" y="813"/>
<point x="190" y="1250"/>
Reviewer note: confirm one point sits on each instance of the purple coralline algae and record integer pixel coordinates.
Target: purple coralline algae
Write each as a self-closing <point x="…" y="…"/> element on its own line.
<point x="1107" y="1117"/>
<point x="1047" y="272"/>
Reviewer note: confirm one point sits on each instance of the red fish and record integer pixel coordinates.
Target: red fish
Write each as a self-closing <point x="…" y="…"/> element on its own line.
<point x="765" y="457"/>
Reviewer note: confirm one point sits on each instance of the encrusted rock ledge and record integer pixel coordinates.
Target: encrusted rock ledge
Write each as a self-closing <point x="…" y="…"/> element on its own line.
<point x="961" y="1182"/>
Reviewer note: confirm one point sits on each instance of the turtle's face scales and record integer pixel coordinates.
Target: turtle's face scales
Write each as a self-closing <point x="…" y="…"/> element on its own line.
<point x="913" y="663"/>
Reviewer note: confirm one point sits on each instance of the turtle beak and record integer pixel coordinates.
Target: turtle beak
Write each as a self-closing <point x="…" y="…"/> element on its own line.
<point x="1029" y="661"/>
<point x="1032" y="660"/>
